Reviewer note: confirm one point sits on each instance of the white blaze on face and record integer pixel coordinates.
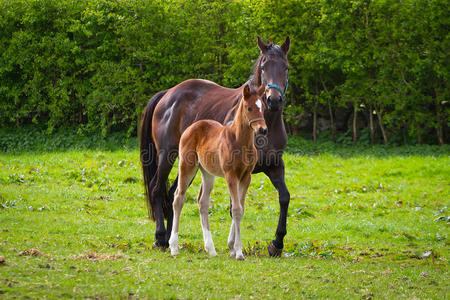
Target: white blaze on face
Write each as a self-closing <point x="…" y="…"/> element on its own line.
<point x="259" y="104"/>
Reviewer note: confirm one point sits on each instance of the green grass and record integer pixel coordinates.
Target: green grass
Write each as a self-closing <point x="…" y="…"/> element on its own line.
<point x="363" y="223"/>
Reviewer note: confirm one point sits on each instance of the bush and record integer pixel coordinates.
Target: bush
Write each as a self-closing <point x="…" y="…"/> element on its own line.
<point x="95" y="63"/>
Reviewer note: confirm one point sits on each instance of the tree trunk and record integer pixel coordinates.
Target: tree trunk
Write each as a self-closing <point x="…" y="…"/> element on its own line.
<point x="439" y="127"/>
<point x="315" y="122"/>
<point x="419" y="135"/>
<point x="405" y="133"/>
<point x="330" y="110"/>
<point x="295" y="130"/>
<point x="333" y="126"/>
<point x="372" y="126"/>
<point x="355" y="117"/>
<point x="380" y="121"/>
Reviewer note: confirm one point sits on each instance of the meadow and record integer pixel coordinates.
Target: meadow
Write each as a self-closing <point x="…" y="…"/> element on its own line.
<point x="364" y="222"/>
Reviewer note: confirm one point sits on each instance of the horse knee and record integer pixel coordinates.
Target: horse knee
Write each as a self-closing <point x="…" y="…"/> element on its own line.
<point x="178" y="200"/>
<point x="237" y="212"/>
<point x="203" y="207"/>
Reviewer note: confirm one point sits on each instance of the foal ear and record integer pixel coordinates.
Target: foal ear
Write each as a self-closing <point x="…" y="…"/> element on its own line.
<point x="247" y="92"/>
<point x="286" y="45"/>
<point x="263" y="47"/>
<point x="261" y="90"/>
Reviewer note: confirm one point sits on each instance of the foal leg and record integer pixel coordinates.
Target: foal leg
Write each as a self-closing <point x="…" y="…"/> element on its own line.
<point x="177" y="206"/>
<point x="235" y="230"/>
<point x="231" y="238"/>
<point x="242" y="190"/>
<point x="170" y="217"/>
<point x="187" y="173"/>
<point x="203" y="205"/>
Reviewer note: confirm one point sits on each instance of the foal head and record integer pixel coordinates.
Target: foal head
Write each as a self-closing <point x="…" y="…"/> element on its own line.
<point x="253" y="108"/>
<point x="273" y="72"/>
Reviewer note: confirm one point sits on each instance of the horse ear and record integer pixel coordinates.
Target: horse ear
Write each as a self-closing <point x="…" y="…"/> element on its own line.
<point x="247" y="92"/>
<point x="263" y="47"/>
<point x="286" y="45"/>
<point x="261" y="90"/>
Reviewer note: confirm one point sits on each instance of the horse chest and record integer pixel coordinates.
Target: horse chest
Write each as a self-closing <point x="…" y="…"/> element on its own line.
<point x="239" y="159"/>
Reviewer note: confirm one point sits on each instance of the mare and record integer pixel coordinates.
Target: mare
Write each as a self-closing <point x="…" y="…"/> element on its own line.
<point x="171" y="111"/>
<point x="225" y="151"/>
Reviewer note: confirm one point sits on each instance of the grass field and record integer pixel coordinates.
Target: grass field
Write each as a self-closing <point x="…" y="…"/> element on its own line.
<point x="363" y="223"/>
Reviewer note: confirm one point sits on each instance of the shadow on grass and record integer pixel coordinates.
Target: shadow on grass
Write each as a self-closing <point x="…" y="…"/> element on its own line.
<point x="37" y="140"/>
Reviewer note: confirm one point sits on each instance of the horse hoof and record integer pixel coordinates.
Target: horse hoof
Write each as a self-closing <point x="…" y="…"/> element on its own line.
<point x="174" y="251"/>
<point x="160" y="245"/>
<point x="274" y="251"/>
<point x="240" y="257"/>
<point x="232" y="254"/>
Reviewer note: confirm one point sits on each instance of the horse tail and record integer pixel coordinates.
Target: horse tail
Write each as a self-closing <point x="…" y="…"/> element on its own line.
<point x="149" y="157"/>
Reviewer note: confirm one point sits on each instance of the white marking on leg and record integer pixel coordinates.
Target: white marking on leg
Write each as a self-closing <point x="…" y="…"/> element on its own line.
<point x="203" y="205"/>
<point x="231" y="240"/>
<point x="173" y="243"/>
<point x="238" y="242"/>
<point x="209" y="244"/>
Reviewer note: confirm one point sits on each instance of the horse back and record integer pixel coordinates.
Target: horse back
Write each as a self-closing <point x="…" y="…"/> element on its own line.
<point x="190" y="101"/>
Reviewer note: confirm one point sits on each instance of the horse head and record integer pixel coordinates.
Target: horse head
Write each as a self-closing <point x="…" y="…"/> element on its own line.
<point x="272" y="71"/>
<point x="254" y="108"/>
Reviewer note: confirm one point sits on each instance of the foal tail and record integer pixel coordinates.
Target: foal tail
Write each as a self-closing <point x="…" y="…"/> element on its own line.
<point x="149" y="158"/>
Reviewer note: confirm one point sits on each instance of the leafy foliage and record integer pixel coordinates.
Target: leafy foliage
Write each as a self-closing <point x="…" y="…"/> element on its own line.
<point x="95" y="63"/>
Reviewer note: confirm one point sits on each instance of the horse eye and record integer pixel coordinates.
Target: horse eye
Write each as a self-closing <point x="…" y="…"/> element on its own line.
<point x="249" y="108"/>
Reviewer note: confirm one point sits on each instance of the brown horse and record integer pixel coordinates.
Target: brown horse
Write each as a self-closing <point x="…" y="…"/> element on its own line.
<point x="170" y="112"/>
<point x="225" y="151"/>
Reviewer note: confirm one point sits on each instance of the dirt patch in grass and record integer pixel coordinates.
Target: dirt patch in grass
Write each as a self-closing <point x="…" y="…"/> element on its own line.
<point x="98" y="256"/>
<point x="31" y="252"/>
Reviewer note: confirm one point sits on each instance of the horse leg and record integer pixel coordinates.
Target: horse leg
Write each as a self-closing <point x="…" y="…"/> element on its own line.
<point x="171" y="199"/>
<point x="234" y="239"/>
<point x="187" y="172"/>
<point x="159" y="196"/>
<point x="203" y="205"/>
<point x="231" y="237"/>
<point x="242" y="190"/>
<point x="178" y="202"/>
<point x="276" y="176"/>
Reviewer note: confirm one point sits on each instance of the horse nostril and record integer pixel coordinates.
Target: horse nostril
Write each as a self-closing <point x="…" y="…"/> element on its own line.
<point x="262" y="131"/>
<point x="280" y="99"/>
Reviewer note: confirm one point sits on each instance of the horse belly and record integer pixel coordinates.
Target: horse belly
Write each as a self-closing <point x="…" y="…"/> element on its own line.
<point x="210" y="161"/>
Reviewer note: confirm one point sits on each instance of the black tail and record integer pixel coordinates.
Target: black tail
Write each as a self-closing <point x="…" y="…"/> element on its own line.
<point x="149" y="159"/>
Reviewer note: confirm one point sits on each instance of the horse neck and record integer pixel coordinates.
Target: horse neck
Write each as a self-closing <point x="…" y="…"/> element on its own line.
<point x="274" y="118"/>
<point x="240" y="127"/>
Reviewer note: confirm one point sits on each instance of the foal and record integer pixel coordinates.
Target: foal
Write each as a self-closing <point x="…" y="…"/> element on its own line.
<point x="225" y="151"/>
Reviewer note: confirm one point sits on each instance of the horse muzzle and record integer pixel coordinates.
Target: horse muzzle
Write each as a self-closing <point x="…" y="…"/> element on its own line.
<point x="262" y="130"/>
<point x="274" y="103"/>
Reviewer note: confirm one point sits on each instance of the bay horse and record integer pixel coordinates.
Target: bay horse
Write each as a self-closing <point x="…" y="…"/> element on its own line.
<point x="225" y="151"/>
<point x="171" y="111"/>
